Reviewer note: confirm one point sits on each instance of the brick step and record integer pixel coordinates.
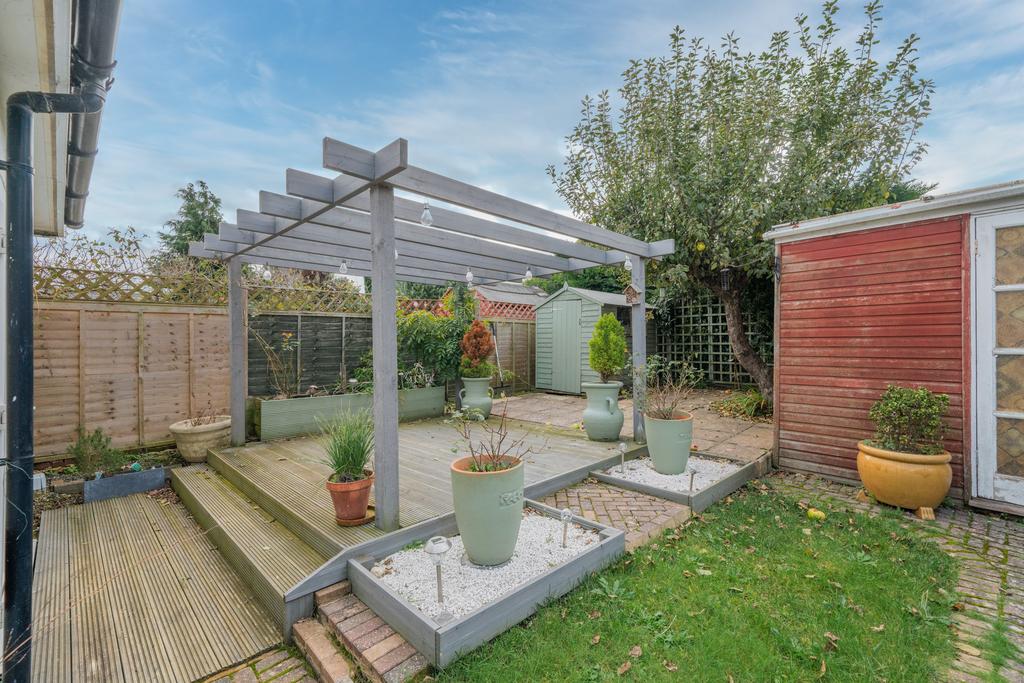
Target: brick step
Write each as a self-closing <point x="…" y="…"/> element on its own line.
<point x="383" y="655"/>
<point x="313" y="639"/>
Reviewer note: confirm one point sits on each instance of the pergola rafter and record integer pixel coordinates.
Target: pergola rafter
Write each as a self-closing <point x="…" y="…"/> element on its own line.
<point x="354" y="223"/>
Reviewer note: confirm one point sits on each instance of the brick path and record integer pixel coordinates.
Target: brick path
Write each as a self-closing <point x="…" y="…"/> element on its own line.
<point x="639" y="515"/>
<point x="712" y="433"/>
<point x="990" y="553"/>
<point x="276" y="666"/>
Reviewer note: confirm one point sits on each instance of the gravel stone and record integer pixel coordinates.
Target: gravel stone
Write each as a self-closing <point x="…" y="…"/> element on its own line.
<point x="467" y="586"/>
<point x="709" y="471"/>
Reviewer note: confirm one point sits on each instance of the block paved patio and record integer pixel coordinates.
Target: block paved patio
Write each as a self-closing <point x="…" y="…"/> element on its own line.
<point x="277" y="666"/>
<point x="712" y="433"/>
<point x="990" y="553"/>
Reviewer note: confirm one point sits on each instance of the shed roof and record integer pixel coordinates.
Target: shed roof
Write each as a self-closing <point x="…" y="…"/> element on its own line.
<point x="601" y="298"/>
<point x="512" y="293"/>
<point x="989" y="197"/>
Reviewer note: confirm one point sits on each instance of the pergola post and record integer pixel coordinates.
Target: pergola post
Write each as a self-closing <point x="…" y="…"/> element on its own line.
<point x="239" y="343"/>
<point x="385" y="356"/>
<point x="638" y="329"/>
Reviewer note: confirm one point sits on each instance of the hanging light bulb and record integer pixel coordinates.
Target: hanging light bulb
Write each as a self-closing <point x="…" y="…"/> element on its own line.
<point x="396" y="254"/>
<point x="425" y="217"/>
<point x="528" y="275"/>
<point x="266" y="273"/>
<point x="343" y="268"/>
<point x="469" y="276"/>
<point x="628" y="265"/>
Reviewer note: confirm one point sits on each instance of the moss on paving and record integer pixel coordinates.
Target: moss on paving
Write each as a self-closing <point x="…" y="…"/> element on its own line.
<point x="753" y="590"/>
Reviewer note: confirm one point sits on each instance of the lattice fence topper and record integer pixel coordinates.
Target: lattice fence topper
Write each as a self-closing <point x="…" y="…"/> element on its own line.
<point x="505" y="310"/>
<point x="71" y="284"/>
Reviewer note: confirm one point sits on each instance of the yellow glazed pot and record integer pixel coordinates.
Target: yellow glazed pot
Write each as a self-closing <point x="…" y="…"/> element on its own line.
<point x="906" y="480"/>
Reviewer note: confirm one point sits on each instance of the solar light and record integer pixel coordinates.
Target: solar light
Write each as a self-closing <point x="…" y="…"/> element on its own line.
<point x="622" y="457"/>
<point x="566" y="516"/>
<point x="343" y="268"/>
<point x="693" y="473"/>
<point x="436" y="547"/>
<point x="469" y="276"/>
<point x="425" y="217"/>
<point x="628" y="265"/>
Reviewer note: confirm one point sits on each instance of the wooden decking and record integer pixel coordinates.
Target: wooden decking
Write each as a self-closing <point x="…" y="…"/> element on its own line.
<point x="131" y="590"/>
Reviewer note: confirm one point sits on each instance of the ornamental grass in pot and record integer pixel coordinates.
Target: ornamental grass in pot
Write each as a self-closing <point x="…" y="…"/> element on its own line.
<point x="474" y="370"/>
<point x="487" y="489"/>
<point x="348" y="445"/>
<point x="668" y="428"/>
<point x="905" y="464"/>
<point x="602" y="418"/>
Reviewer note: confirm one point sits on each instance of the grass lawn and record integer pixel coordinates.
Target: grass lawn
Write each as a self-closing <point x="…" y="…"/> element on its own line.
<point x="753" y="591"/>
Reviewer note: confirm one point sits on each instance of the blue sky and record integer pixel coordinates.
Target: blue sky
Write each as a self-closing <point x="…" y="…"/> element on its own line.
<point x="235" y="92"/>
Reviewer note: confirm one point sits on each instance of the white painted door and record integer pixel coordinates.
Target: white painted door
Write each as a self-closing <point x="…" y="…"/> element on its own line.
<point x="999" y="357"/>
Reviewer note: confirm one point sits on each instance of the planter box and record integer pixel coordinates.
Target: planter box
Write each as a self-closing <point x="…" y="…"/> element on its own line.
<point x="124" y="484"/>
<point x="442" y="644"/>
<point x="700" y="500"/>
<point x="287" y="417"/>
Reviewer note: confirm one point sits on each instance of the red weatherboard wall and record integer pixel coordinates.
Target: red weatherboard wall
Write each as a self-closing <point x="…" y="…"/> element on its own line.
<point x="859" y="311"/>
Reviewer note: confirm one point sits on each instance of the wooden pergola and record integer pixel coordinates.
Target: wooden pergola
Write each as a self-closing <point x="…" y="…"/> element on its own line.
<point x="354" y="223"/>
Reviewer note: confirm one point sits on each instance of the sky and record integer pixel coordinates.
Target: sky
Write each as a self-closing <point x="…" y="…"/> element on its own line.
<point x="235" y="92"/>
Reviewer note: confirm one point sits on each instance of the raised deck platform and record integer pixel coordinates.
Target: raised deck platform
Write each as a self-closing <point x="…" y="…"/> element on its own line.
<point x="270" y="515"/>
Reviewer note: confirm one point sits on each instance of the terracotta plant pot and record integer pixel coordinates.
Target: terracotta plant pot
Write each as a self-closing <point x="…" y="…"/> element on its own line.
<point x="668" y="442"/>
<point x="906" y="480"/>
<point x="488" y="510"/>
<point x="351" y="498"/>
<point x="194" y="440"/>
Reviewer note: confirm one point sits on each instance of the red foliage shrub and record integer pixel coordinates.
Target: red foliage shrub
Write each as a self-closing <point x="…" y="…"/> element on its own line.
<point x="477" y="343"/>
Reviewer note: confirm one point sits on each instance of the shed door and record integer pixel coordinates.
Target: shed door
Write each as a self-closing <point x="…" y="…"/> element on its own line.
<point x="999" y="381"/>
<point x="565" y="338"/>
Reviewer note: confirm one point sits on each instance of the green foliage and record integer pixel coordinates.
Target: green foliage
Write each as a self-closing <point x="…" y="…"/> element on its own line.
<point x="420" y="290"/>
<point x="199" y="214"/>
<point x="909" y="420"/>
<point x="93" y="452"/>
<point x="608" y="353"/>
<point x="746" y="572"/>
<point x="713" y="146"/>
<point x="348" y="445"/>
<point x="474" y="369"/>
<point x="599" y="278"/>
<point x="750" y="404"/>
<point x="906" y="190"/>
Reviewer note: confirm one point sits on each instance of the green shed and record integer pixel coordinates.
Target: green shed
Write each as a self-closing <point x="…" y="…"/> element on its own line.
<point x="565" y="321"/>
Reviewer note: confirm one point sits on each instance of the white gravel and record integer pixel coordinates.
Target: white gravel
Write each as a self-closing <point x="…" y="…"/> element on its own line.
<point x="411" y="572"/>
<point x="709" y="471"/>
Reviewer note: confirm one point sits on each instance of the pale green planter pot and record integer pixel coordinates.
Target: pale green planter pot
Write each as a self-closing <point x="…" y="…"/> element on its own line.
<point x="668" y="442"/>
<point x="602" y="419"/>
<point x="488" y="511"/>
<point x="476" y="393"/>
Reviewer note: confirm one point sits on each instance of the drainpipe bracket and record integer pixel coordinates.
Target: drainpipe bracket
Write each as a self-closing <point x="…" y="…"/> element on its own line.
<point x="12" y="165"/>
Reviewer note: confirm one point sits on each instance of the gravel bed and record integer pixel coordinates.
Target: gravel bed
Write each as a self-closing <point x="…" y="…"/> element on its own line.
<point x="411" y="572"/>
<point x="709" y="471"/>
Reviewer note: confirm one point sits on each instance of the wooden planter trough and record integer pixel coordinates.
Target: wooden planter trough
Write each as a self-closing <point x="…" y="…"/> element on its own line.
<point x="288" y="417"/>
<point x="702" y="499"/>
<point x="442" y="644"/>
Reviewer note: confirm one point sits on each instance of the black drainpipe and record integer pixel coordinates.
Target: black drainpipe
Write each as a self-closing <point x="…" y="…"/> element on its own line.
<point x="89" y="93"/>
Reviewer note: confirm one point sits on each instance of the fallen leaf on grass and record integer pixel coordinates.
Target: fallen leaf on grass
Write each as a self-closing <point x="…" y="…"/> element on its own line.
<point x="671" y="666"/>
<point x="626" y="666"/>
<point x="596" y="639"/>
<point x="879" y="628"/>
<point x="635" y="651"/>
<point x="823" y="667"/>
<point x="595" y="614"/>
<point x="833" y="642"/>
<point x="704" y="572"/>
<point x="958" y="607"/>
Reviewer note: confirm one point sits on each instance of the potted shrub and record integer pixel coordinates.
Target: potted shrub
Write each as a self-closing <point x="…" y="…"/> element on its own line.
<point x="196" y="435"/>
<point x="348" y="444"/>
<point x="905" y="464"/>
<point x="608" y="356"/>
<point x="474" y="370"/>
<point x="487" y="491"/>
<point x="669" y="429"/>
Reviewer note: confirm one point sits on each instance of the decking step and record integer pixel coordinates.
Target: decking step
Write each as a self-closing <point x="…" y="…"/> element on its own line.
<point x="268" y="557"/>
<point x="383" y="655"/>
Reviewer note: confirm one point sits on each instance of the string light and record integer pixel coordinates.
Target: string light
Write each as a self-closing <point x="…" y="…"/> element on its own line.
<point x="469" y="276"/>
<point x="425" y="217"/>
<point x="343" y="268"/>
<point x="628" y="265"/>
<point x="528" y="275"/>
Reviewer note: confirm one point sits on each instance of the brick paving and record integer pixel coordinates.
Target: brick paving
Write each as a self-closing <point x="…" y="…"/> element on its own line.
<point x="639" y="515"/>
<point x="990" y="553"/>
<point x="277" y="666"/>
<point x="712" y="433"/>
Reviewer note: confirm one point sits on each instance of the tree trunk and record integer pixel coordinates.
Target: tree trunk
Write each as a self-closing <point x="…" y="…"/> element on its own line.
<point x="745" y="354"/>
